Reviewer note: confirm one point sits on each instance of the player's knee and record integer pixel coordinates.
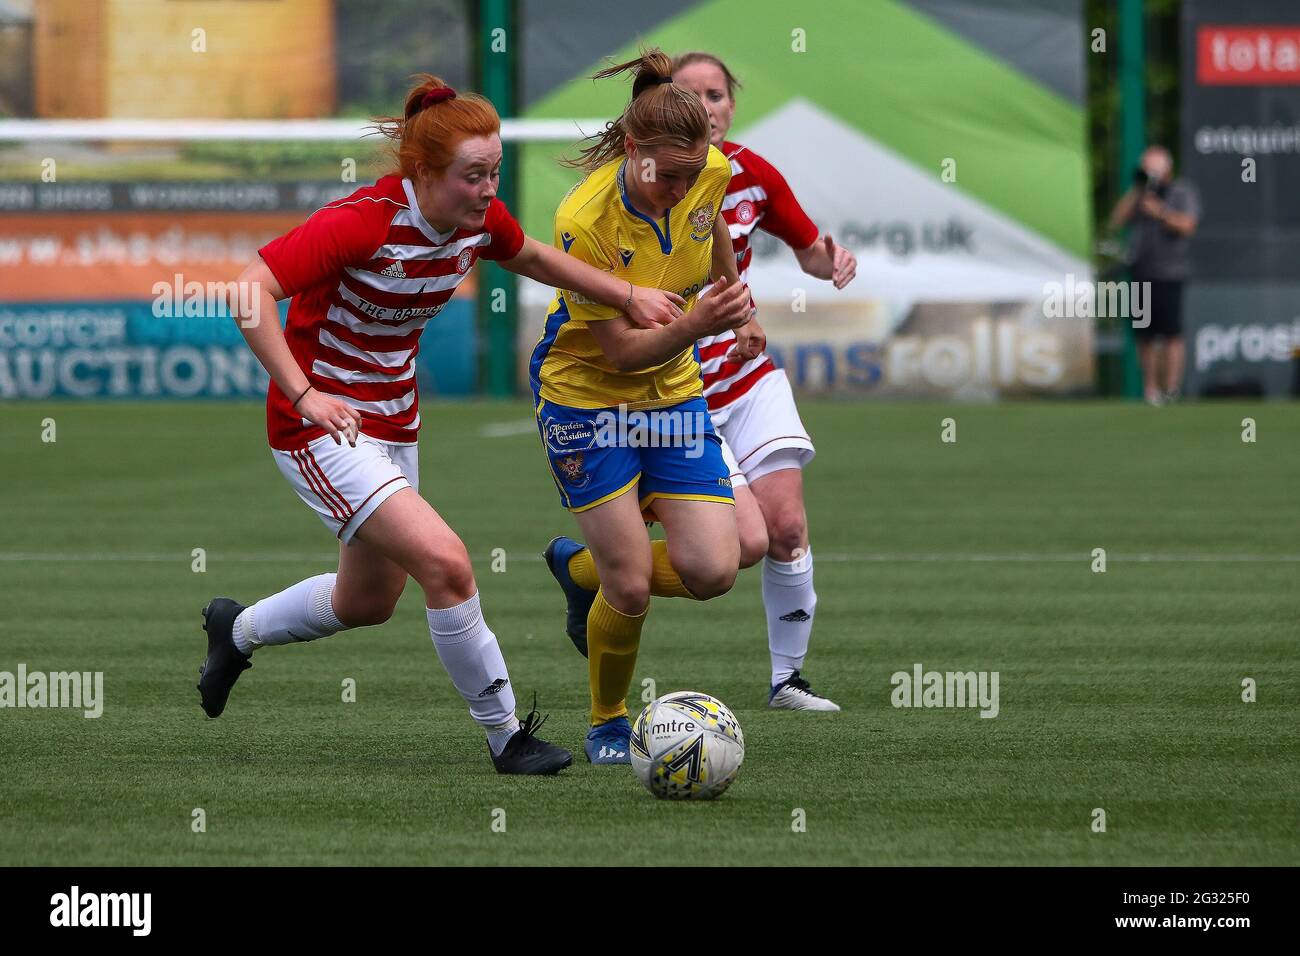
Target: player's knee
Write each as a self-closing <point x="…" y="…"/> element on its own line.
<point x="787" y="530"/>
<point x="445" y="572"/>
<point x="712" y="580"/>
<point x="628" y="593"/>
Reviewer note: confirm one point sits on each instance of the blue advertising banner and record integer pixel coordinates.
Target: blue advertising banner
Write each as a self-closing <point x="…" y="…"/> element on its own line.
<point x="106" y="350"/>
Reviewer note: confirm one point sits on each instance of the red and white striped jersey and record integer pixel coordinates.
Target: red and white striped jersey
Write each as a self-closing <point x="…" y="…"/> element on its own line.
<point x="758" y="196"/>
<point x="365" y="274"/>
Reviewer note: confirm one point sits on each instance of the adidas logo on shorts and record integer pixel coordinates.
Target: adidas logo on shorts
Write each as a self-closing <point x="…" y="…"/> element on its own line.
<point x="395" y="271"/>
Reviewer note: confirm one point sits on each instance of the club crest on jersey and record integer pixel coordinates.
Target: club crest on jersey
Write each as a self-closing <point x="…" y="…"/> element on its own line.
<point x="701" y="220"/>
<point x="571" y="469"/>
<point x="464" y="261"/>
<point x="745" y="213"/>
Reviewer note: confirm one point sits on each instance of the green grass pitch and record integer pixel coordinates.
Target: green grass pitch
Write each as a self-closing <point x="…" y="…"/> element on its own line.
<point x="1120" y="690"/>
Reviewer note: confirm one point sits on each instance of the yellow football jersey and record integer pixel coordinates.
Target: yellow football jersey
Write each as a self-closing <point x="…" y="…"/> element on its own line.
<point x="597" y="224"/>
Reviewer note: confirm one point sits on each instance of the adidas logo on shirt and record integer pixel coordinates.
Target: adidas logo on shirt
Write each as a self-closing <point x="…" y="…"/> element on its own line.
<point x="395" y="271"/>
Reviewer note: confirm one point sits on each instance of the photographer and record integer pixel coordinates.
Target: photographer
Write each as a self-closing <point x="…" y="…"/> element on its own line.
<point x="1161" y="213"/>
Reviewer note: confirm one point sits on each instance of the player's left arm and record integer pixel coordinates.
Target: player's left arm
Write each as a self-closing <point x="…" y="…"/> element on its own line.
<point x="724" y="257"/>
<point x="825" y="260"/>
<point x="785" y="218"/>
<point x="751" y="340"/>
<point x="646" y="308"/>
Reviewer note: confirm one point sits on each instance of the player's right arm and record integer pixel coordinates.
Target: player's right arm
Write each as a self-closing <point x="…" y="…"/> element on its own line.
<point x="332" y="239"/>
<point x="267" y="342"/>
<point x="628" y="347"/>
<point x="725" y="306"/>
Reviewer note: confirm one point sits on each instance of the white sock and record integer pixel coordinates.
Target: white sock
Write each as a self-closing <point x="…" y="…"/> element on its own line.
<point x="469" y="651"/>
<point x="790" y="601"/>
<point x="303" y="612"/>
<point x="498" y="737"/>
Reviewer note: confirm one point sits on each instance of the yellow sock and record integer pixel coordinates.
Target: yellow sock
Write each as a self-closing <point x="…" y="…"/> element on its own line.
<point x="612" y="642"/>
<point x="583" y="570"/>
<point x="664" y="581"/>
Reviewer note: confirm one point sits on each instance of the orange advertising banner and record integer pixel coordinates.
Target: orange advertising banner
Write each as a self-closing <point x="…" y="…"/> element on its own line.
<point x="98" y="257"/>
<point x="95" y="257"/>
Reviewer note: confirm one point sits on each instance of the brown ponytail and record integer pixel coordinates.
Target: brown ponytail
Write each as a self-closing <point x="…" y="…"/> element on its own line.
<point x="661" y="113"/>
<point x="435" y="120"/>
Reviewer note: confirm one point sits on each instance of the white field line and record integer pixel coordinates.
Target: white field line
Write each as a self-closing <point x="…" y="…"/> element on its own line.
<point x="272" y="557"/>
<point x="525" y="426"/>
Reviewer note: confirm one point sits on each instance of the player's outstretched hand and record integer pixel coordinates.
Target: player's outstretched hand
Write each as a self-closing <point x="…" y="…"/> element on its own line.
<point x="339" y="419"/>
<point x="722" y="307"/>
<point x="751" y="340"/>
<point x="844" y="265"/>
<point x="651" y="308"/>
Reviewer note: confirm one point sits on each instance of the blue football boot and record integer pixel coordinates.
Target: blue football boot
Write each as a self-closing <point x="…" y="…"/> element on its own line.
<point x="609" y="742"/>
<point x="557" y="555"/>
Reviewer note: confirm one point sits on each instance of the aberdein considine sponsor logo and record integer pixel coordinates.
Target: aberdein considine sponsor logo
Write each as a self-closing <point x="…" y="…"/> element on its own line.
<point x="570" y="436"/>
<point x="75" y="909"/>
<point x="950" y="689"/>
<point x="82" y="690"/>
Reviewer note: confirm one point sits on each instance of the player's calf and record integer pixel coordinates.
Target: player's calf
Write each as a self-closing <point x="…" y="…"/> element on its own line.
<point x="752" y="527"/>
<point x="366" y="612"/>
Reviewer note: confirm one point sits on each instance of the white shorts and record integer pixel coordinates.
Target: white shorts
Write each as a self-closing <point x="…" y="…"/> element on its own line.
<point x="762" y="432"/>
<point x="344" y="485"/>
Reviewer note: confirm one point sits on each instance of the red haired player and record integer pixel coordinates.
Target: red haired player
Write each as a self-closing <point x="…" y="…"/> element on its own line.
<point x="365" y="275"/>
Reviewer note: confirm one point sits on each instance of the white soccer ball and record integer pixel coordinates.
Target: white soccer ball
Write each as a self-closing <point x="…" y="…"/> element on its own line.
<point x="687" y="746"/>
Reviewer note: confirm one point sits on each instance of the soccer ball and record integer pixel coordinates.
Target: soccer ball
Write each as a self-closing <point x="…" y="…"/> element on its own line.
<point x="687" y="746"/>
